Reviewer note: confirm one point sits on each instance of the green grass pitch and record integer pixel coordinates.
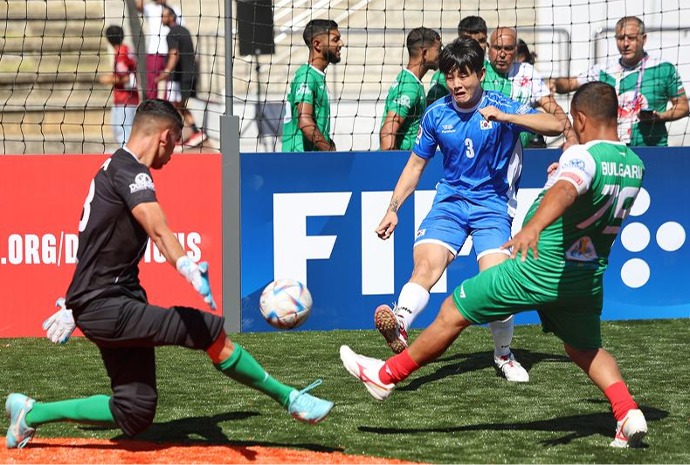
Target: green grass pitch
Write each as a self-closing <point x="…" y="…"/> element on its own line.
<point x="455" y="410"/>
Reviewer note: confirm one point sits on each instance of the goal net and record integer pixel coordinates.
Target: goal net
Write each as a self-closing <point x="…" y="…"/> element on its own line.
<point x="53" y="52"/>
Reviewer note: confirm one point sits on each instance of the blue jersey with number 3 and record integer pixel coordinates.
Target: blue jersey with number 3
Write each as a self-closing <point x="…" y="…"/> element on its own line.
<point x="482" y="160"/>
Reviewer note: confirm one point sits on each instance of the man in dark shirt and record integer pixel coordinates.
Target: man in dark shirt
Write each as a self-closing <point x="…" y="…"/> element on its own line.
<point x="181" y="72"/>
<point x="110" y="307"/>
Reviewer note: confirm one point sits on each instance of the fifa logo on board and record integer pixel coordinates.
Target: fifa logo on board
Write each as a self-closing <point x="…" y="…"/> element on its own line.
<point x="636" y="237"/>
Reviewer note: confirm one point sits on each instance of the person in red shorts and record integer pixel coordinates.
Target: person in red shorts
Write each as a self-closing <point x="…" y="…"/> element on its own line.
<point x="124" y="83"/>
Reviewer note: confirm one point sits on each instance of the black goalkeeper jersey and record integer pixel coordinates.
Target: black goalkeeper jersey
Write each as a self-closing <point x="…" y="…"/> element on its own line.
<point x="111" y="241"/>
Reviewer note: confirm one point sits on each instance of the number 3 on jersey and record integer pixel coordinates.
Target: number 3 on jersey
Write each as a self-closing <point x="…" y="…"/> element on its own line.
<point x="469" y="148"/>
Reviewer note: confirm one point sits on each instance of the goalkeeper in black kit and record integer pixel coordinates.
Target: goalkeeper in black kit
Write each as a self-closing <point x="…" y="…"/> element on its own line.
<point x="108" y="304"/>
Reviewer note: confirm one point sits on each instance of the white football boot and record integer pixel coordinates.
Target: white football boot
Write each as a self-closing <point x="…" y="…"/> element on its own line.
<point x="511" y="368"/>
<point x="630" y="430"/>
<point x="366" y="369"/>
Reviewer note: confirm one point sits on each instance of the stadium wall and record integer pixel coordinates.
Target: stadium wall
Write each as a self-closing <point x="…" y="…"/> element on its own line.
<point x="311" y="217"/>
<point x="42" y="198"/>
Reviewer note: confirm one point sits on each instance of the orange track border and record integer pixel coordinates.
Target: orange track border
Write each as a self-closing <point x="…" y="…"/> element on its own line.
<point x="99" y="451"/>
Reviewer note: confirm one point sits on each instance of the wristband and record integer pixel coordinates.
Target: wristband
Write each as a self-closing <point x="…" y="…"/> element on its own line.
<point x="185" y="266"/>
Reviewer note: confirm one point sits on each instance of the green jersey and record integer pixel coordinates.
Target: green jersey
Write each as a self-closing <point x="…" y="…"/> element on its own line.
<point x="565" y="282"/>
<point x="649" y="85"/>
<point x="308" y="86"/>
<point x="406" y="99"/>
<point x="574" y="249"/>
<point x="438" y="87"/>
<point x="522" y="83"/>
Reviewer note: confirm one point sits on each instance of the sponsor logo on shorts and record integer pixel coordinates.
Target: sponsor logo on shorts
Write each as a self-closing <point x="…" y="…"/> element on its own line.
<point x="142" y="182"/>
<point x="462" y="291"/>
<point x="420" y="233"/>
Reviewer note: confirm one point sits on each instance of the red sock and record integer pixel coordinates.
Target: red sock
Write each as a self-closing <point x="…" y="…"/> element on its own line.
<point x="397" y="368"/>
<point x="620" y="399"/>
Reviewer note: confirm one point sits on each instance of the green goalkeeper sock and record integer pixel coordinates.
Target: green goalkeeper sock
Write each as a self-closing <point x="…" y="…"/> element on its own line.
<point x="94" y="409"/>
<point x="242" y="367"/>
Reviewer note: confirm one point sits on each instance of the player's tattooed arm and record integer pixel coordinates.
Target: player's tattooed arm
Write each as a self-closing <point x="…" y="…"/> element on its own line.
<point x="390" y="220"/>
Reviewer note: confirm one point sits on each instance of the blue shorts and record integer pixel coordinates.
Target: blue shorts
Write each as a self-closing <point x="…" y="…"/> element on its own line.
<point x="450" y="221"/>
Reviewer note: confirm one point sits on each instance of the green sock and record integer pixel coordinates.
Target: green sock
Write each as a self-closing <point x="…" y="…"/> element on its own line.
<point x="242" y="367"/>
<point x="94" y="409"/>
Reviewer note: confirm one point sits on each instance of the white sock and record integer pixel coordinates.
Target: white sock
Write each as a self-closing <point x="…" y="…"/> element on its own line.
<point x="502" y="332"/>
<point x="412" y="300"/>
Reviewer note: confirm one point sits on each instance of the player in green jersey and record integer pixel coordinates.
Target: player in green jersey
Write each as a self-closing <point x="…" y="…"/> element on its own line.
<point x="520" y="81"/>
<point x="469" y="27"/>
<point x="559" y="258"/>
<point x="307" y="119"/>
<point x="645" y="85"/>
<point x="406" y="100"/>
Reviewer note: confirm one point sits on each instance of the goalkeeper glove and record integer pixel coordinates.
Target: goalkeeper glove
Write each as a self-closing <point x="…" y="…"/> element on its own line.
<point x="197" y="275"/>
<point x="60" y="326"/>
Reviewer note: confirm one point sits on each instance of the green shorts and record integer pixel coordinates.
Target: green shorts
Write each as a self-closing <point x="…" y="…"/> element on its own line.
<point x="504" y="290"/>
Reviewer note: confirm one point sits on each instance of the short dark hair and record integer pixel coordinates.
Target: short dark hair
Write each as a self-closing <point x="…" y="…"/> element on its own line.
<point x="523" y="49"/>
<point x="316" y="27"/>
<point x="421" y="37"/>
<point x="597" y="100"/>
<point x="158" y="109"/>
<point x="471" y="25"/>
<point x="115" y="35"/>
<point x="170" y="11"/>
<point x="462" y="54"/>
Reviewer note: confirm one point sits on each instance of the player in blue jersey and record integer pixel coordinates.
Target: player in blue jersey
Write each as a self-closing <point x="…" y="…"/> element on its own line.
<point x="477" y="132"/>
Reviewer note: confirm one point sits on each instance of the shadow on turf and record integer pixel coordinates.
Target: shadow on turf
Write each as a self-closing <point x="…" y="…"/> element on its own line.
<point x="477" y="361"/>
<point x="576" y="426"/>
<point x="199" y="430"/>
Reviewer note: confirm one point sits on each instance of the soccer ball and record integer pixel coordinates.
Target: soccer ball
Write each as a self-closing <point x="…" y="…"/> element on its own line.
<point x="285" y="303"/>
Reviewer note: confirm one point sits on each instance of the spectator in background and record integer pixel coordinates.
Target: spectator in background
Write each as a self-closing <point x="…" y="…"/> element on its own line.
<point x="406" y="100"/>
<point x="156" y="45"/>
<point x="307" y="119"/>
<point x="644" y="85"/>
<point x="523" y="53"/>
<point x="469" y="27"/>
<point x="181" y="74"/>
<point x="521" y="82"/>
<point x="124" y="85"/>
